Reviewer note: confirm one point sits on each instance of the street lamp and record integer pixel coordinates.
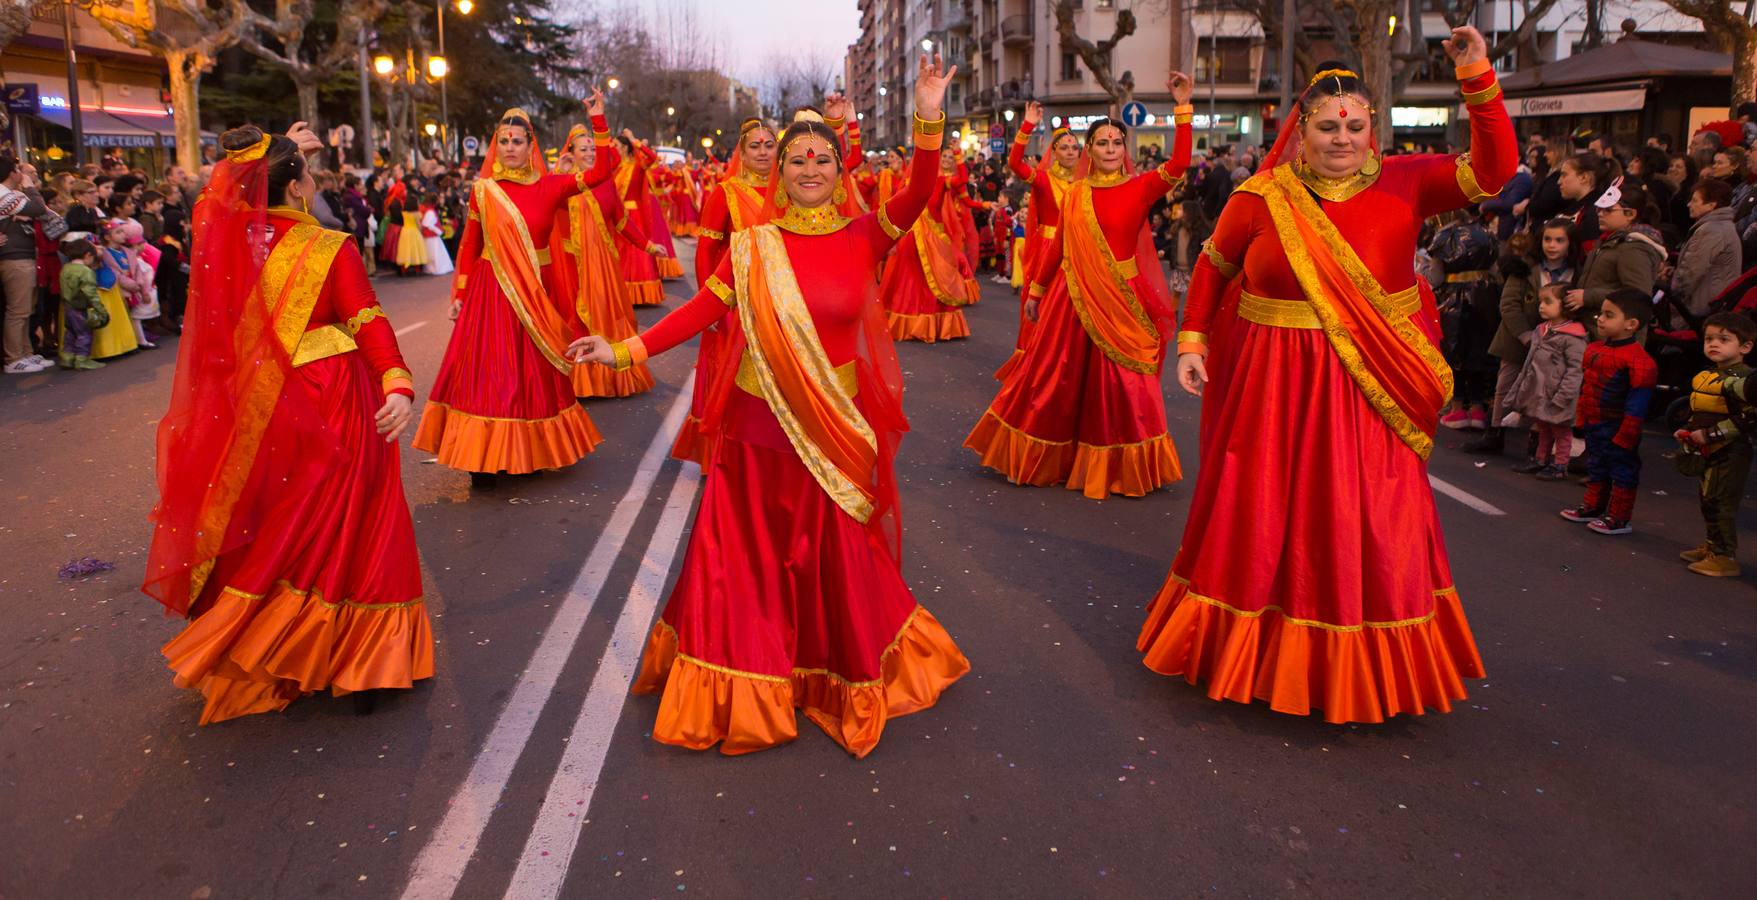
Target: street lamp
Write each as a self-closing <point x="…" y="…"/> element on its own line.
<point x="613" y="83"/>
<point x="707" y="143"/>
<point x="926" y="45"/>
<point x="437" y="67"/>
<point x="464" y="6"/>
<point x="671" y="110"/>
<point x="1008" y="115"/>
<point x="432" y="128"/>
<point x="383" y="64"/>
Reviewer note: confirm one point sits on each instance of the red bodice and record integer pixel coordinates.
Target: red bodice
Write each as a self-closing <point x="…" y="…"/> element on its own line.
<point x="347" y="294"/>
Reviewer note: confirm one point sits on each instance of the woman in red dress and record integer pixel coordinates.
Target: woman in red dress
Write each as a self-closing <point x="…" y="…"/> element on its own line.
<point x="739" y="201"/>
<point x="281" y="529"/>
<point x="927" y="282"/>
<point x="503" y="400"/>
<point x="587" y="269"/>
<point x="792" y="594"/>
<point x="1312" y="343"/>
<point x="641" y="270"/>
<point x="1084" y="407"/>
<point x="1049" y="184"/>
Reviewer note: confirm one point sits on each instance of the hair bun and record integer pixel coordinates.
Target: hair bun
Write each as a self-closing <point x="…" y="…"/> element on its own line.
<point x="241" y="138"/>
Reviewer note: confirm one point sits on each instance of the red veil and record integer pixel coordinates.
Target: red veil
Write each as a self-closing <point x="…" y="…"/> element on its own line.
<point x="491" y="160"/>
<point x="880" y="396"/>
<point x="220" y="467"/>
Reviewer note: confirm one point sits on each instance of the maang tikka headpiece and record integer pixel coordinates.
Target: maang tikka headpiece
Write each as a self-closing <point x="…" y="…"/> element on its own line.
<point x="1343" y="96"/>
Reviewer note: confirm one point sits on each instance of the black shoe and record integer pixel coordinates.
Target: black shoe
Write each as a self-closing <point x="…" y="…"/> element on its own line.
<point x="1490" y="444"/>
<point x="484" y="481"/>
<point x="365" y="702"/>
<point x="1552" y="472"/>
<point x="1529" y="467"/>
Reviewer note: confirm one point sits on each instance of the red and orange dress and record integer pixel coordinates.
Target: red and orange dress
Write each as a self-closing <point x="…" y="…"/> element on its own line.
<point x="640" y="269"/>
<point x="503" y="400"/>
<point x="281" y="529"/>
<point x="927" y="280"/>
<point x="1312" y="573"/>
<point x="587" y="270"/>
<point x="1049" y="185"/>
<point x="736" y="203"/>
<point x="791" y="594"/>
<point x="1084" y="407"/>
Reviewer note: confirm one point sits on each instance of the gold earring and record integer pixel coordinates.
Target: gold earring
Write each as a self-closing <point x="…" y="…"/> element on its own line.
<point x="781" y="198"/>
<point x="840" y="195"/>
<point x="1371" y="166"/>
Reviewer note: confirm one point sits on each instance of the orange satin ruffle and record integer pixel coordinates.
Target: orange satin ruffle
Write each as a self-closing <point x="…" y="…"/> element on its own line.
<point x="646" y="293"/>
<point x="515" y="446"/>
<point x="928" y="327"/>
<point x="1363" y="674"/>
<point x="1132" y="470"/>
<point x="704" y="704"/>
<point x="1007" y="367"/>
<point x="257" y="655"/>
<point x="606" y="381"/>
<point x="669" y="267"/>
<point x="1022" y="458"/>
<point x="973" y="290"/>
<point x="691" y="445"/>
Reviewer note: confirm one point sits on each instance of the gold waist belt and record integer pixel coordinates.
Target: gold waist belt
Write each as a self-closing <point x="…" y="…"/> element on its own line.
<point x="323" y="343"/>
<point x="1473" y="275"/>
<point x="747" y="380"/>
<point x="1298" y="313"/>
<point x="542" y="254"/>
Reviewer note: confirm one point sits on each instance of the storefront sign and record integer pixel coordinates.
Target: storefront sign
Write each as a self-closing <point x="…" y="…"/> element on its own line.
<point x="22" y="98"/>
<point x="1572" y="104"/>
<point x="1420" y="116"/>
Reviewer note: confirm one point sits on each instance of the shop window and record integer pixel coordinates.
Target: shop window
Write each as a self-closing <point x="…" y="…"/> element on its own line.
<point x="1224" y="61"/>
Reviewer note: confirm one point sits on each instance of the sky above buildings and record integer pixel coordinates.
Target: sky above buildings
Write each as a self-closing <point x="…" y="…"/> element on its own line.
<point x="753" y="31"/>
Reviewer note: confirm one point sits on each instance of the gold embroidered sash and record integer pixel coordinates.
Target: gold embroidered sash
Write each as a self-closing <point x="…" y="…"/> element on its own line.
<point x="510" y="252"/>
<point x="1098" y="285"/>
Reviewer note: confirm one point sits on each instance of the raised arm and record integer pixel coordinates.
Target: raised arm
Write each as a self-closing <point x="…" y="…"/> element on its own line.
<point x="899" y="213"/>
<point x="1016" y="153"/>
<point x="1148" y="188"/>
<point x="1450" y="182"/>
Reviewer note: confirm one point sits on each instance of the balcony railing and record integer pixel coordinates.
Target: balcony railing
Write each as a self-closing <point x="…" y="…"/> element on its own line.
<point x="1016" y="30"/>
<point x="982" y="101"/>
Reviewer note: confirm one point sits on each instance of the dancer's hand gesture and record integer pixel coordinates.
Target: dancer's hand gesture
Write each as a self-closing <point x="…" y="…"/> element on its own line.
<point x="1192" y="373"/>
<point x="931" y="80"/>
<point x="1466" y="46"/>
<point x="591" y="348"/>
<point x="595" y="103"/>
<point x="307" y="140"/>
<point x="1034" y="113"/>
<point x="836" y="106"/>
<point x="1181" y="86"/>
<point x="393" y="417"/>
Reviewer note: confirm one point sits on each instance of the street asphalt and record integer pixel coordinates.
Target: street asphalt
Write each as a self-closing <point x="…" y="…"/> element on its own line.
<point x="1608" y="753"/>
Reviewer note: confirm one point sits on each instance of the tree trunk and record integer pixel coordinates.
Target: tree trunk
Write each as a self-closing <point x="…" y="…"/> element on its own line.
<point x="1744" y="66"/>
<point x="1372" y="41"/>
<point x="186" y="69"/>
<point x="307" y="88"/>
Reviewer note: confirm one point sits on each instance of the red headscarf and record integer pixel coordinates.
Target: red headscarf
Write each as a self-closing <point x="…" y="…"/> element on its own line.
<point x="518" y="117"/>
<point x="1161" y="305"/>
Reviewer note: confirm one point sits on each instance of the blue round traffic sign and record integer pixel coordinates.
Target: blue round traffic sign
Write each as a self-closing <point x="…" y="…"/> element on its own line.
<point x="1134" y="113"/>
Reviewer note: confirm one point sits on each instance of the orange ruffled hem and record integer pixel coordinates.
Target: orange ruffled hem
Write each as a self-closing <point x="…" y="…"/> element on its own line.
<point x="703" y="704"/>
<point x="1132" y="470"/>
<point x="973" y="290"/>
<point x="929" y="327"/>
<point x="1361" y="674"/>
<point x="669" y="267"/>
<point x="605" y="381"/>
<point x="515" y="446"/>
<point x="647" y="293"/>
<point x="250" y="654"/>
<point x="691" y="445"/>
<point x="1007" y="367"/>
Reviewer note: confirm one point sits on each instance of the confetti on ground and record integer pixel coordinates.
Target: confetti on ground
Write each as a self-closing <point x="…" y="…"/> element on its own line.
<point x="85" y="567"/>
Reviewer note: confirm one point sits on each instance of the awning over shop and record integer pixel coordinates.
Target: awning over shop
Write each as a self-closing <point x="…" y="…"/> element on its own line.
<point x="164" y="126"/>
<point x="102" y="129"/>
<point x="1621" y="61"/>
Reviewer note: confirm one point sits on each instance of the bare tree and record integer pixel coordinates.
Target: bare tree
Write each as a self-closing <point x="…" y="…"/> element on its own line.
<point x="189" y="34"/>
<point x="1096" y="55"/>
<point x="1732" y="31"/>
<point x="307" y="63"/>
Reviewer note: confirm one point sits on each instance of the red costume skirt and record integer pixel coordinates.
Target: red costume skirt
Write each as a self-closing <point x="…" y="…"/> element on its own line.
<point x="1068" y="415"/>
<point x="1312" y="572"/>
<point x="498" y="404"/>
<point x="785" y="602"/>
<point x="641" y="271"/>
<point x="691" y="444"/>
<point x="914" y="312"/>
<point x="328" y="594"/>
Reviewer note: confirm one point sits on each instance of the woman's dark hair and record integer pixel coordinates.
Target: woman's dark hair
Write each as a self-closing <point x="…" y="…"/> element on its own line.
<point x="1639" y="199"/>
<point x="627" y="145"/>
<point x="430" y="199"/>
<point x="805" y="127"/>
<point x="352" y="181"/>
<point x="1715" y="191"/>
<point x="1092" y="130"/>
<point x="1538" y="158"/>
<point x="1690" y="169"/>
<point x="285" y="164"/>
<point x="1591" y="164"/>
<point x="1341" y="81"/>
<point x="522" y="122"/>
<point x="149" y="197"/>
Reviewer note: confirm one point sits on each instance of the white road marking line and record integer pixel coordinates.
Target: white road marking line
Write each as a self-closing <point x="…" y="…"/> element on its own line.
<point x="414" y="326"/>
<point x="1465" y="497"/>
<point x="441" y="863"/>
<point x="543" y="866"/>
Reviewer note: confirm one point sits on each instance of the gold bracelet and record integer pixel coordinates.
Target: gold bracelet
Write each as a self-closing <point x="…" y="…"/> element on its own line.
<point x="1471" y="70"/>
<point x="937" y="126"/>
<point x="624" y="359"/>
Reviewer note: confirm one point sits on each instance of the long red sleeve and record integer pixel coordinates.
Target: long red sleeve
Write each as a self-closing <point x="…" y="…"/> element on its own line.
<point x="469" y="250"/>
<point x="1446" y="182"/>
<point x="905" y="206"/>
<point x="1016" y="154"/>
<point x="1216" y="267"/>
<point x="711" y="239"/>
<point x="688" y="320"/>
<point x="353" y="304"/>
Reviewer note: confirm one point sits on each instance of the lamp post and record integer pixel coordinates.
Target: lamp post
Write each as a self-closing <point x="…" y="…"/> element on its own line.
<point x="438" y="68"/>
<point x="72" y="84"/>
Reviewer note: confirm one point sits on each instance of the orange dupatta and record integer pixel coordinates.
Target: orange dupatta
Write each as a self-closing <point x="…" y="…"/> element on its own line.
<point x="513" y="256"/>
<point x="599" y="272"/>
<point x="1109" y="309"/>
<point x="1402" y="374"/>
<point x="834" y="441"/>
<point x="745" y="204"/>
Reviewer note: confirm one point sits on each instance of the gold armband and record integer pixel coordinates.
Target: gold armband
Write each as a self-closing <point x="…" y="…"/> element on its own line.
<point x="711" y="234"/>
<point x="1192" y="342"/>
<point x="397" y="378"/>
<point x="835" y="123"/>
<point x="1226" y="269"/>
<point x="364" y="317"/>
<point x="458" y="283"/>
<point x="937" y="126"/>
<point x="624" y="358"/>
<point x="1038" y="291"/>
<point x="720" y="288"/>
<point x="1467" y="182"/>
<point x="884" y="220"/>
<point x="1471" y="70"/>
<point x="1478" y="98"/>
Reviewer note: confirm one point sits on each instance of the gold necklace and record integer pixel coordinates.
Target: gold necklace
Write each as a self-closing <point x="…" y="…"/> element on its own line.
<point x="1338" y="190"/>
<point x="755" y="179"/>
<point x="816" y="220"/>
<point x="522" y="175"/>
<point x="1107" y="179"/>
<point x="1065" y="173"/>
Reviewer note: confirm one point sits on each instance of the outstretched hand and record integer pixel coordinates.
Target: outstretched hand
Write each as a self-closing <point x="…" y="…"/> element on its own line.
<point x="836" y="106"/>
<point x="1181" y="86"/>
<point x="931" y="81"/>
<point x="393" y="417"/>
<point x="1466" y="46"/>
<point x="593" y="349"/>
<point x="595" y="103"/>
<point x="1034" y="113"/>
<point x="307" y="140"/>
